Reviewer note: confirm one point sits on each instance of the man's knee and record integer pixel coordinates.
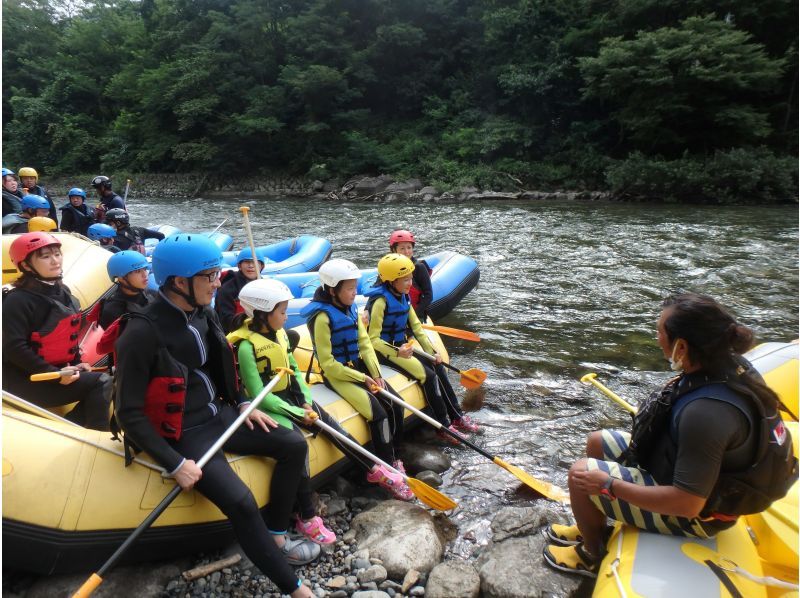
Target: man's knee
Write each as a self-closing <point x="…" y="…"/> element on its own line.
<point x="594" y="445"/>
<point x="579" y="465"/>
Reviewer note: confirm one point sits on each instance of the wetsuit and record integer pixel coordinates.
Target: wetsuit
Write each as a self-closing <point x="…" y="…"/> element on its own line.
<point x="14" y="224"/>
<point x="194" y="343"/>
<point x="121" y="303"/>
<point x="34" y="308"/>
<point x="132" y="237"/>
<point x="12" y="202"/>
<point x="226" y="301"/>
<point x="346" y="376"/>
<point x="77" y="220"/>
<point x="42" y="192"/>
<point x="422" y="291"/>
<point x="108" y="202"/>
<point x="389" y="318"/>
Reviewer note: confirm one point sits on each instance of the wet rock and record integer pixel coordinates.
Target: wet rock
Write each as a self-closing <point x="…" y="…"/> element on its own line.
<point x="419" y="457"/>
<point x="428" y="193"/>
<point x="376" y="573"/>
<point x="363" y="503"/>
<point x="403" y="535"/>
<point x="518" y="521"/>
<point x="343" y="487"/>
<point x="453" y="579"/>
<point x="371" y="185"/>
<point x="430" y="477"/>
<point x="336" y="506"/>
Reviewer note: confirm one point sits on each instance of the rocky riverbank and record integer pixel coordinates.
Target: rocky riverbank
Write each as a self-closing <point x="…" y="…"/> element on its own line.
<point x="384" y="549"/>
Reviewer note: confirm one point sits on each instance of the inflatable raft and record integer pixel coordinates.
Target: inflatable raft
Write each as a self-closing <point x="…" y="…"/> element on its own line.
<point x="453" y="276"/>
<point x="305" y="253"/>
<point x="223" y="240"/>
<point x="738" y="562"/>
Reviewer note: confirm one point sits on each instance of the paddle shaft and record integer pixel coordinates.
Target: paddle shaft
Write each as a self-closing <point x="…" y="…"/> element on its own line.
<point x="430" y="358"/>
<point x="91" y="584"/>
<point x="454" y="332"/>
<point x="219" y="226"/>
<point x="127" y="187"/>
<point x="592" y="379"/>
<point x="245" y="214"/>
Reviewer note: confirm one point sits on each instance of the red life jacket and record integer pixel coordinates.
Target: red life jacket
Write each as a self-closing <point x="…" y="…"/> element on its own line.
<point x="57" y="340"/>
<point x="414" y="293"/>
<point x="237" y="307"/>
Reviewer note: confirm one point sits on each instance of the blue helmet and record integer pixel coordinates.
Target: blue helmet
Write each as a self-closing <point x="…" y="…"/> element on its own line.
<point x="247" y="254"/>
<point x="123" y="263"/>
<point x="184" y="255"/>
<point x="101" y="231"/>
<point x="8" y="171"/>
<point x="35" y="202"/>
<point x="77" y="191"/>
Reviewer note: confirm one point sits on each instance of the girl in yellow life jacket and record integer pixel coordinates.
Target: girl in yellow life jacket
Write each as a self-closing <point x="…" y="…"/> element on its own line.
<point x="262" y="348"/>
<point x="390" y="318"/>
<point x="351" y="369"/>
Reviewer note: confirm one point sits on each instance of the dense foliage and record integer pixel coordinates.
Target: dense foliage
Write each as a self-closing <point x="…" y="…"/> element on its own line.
<point x="678" y="99"/>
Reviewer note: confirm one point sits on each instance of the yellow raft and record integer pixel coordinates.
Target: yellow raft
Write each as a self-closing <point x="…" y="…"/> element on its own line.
<point x="68" y="499"/>
<point x="757" y="558"/>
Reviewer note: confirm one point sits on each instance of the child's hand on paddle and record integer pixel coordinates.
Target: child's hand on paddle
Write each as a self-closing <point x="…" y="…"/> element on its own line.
<point x="405" y="351"/>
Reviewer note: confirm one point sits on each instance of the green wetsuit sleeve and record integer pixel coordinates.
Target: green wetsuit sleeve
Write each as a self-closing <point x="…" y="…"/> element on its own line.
<point x="322" y="345"/>
<point x="367" y="352"/>
<point x="419" y="333"/>
<point x="376" y="313"/>
<point x="298" y="375"/>
<point x="272" y="403"/>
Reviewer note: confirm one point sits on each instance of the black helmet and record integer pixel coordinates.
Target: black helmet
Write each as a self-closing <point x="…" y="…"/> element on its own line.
<point x="118" y="215"/>
<point x="101" y="181"/>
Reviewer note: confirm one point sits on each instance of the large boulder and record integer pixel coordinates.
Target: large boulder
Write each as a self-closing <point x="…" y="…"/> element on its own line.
<point x="402" y="535"/>
<point x="420" y="457"/>
<point x="372" y="185"/>
<point x="453" y="579"/>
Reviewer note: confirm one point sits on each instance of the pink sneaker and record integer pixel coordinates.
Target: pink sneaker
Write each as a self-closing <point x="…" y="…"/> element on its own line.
<point x="446" y="437"/>
<point x="466" y="424"/>
<point x="391" y="481"/>
<point x="398" y="465"/>
<point x="314" y="529"/>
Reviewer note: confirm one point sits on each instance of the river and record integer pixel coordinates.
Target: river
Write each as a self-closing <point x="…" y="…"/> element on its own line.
<point x="566" y="288"/>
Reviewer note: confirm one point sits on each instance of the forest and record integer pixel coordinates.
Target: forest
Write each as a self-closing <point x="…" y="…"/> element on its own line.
<point x="678" y="100"/>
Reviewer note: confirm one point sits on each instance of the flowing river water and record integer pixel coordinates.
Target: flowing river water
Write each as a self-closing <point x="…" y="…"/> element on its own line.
<point x="565" y="289"/>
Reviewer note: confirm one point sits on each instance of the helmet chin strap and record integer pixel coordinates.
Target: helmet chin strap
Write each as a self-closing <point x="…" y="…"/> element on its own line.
<point x="123" y="282"/>
<point x="47" y="279"/>
<point x="189" y="297"/>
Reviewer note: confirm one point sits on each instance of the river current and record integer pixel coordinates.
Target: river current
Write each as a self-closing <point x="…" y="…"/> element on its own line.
<point x="565" y="289"/>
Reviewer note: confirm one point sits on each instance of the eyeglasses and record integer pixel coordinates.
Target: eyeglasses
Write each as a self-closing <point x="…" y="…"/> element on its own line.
<point x="211" y="277"/>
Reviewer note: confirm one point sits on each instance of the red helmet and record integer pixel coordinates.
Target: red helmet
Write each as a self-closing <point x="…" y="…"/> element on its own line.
<point x="401" y="236"/>
<point x="26" y="244"/>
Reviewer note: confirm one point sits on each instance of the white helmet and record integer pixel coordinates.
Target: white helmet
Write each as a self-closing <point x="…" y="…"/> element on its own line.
<point x="333" y="272"/>
<point x="263" y="295"/>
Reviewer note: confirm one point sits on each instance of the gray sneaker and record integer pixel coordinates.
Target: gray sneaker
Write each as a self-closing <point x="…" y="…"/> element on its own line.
<point x="300" y="551"/>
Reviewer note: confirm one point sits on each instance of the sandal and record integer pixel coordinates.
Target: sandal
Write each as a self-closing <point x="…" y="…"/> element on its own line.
<point x="466" y="424"/>
<point x="563" y="535"/>
<point x="300" y="551"/>
<point x="571" y="559"/>
<point x="391" y="481"/>
<point x="314" y="529"/>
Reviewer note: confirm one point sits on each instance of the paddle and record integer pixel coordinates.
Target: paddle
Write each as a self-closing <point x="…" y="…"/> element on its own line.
<point x="127" y="187"/>
<point x="65" y="372"/>
<point x="592" y="379"/>
<point x="544" y="488"/>
<point x="455" y="332"/>
<point x="91" y="584"/>
<point x="471" y="378"/>
<point x="245" y="214"/>
<point x="430" y="496"/>
<point x="219" y="226"/>
<point x="40" y="411"/>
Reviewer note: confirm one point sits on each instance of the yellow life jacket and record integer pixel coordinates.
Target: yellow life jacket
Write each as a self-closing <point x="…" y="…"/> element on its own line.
<point x="270" y="355"/>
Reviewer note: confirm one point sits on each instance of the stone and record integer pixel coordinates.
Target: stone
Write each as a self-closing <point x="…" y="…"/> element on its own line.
<point x="360" y="564"/>
<point x="336" y="505"/>
<point x="371" y="185"/>
<point x="420" y="457"/>
<point x="409" y="580"/>
<point x="343" y="487"/>
<point x="453" y="579"/>
<point x="363" y="503"/>
<point x="428" y="192"/>
<point x="376" y="573"/>
<point x="518" y="521"/>
<point x="416" y="591"/>
<point x="371" y="594"/>
<point x="430" y="477"/>
<point x="403" y="535"/>
<point x="337" y="582"/>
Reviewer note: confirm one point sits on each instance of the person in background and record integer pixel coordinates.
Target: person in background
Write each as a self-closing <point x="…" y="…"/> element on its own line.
<point x="29" y="179"/>
<point x="129" y="237"/>
<point x="12" y="195"/>
<point x="708" y="447"/>
<point x="105" y="235"/>
<point x="42" y="321"/>
<point x="130" y="271"/>
<point x="174" y="352"/>
<point x="32" y="206"/>
<point x="421" y="293"/>
<point x="226" y="302"/>
<point x="76" y="215"/>
<point x="108" y="199"/>
<point x="350" y="368"/>
<point x="41" y="223"/>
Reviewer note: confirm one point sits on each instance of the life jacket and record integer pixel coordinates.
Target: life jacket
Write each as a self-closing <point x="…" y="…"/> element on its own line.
<point x="12" y="203"/>
<point x="752" y="490"/>
<point x="395" y="316"/>
<point x="82" y="220"/>
<point x="11" y="221"/>
<point x="344" y="329"/>
<point x="133" y="238"/>
<point x="270" y="355"/>
<point x="57" y="340"/>
<point x="414" y="293"/>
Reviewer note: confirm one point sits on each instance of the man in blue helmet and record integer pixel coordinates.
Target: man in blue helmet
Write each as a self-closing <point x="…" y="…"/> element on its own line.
<point x="227" y="302"/>
<point x="32" y="206"/>
<point x="76" y="215"/>
<point x="176" y="392"/>
<point x="130" y="270"/>
<point x="12" y="196"/>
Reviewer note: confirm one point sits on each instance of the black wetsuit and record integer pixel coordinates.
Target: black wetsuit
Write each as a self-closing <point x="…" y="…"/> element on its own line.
<point x="120" y="303"/>
<point x="227" y="299"/>
<point x="12" y="202"/>
<point x="421" y="279"/>
<point x="196" y="341"/>
<point x="77" y="220"/>
<point x="131" y="236"/>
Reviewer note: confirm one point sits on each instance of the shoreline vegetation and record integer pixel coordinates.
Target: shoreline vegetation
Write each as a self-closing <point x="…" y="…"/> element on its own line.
<point x="692" y="101"/>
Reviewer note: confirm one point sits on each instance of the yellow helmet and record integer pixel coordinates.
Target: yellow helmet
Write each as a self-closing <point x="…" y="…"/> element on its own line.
<point x="41" y="223"/>
<point x="393" y="266"/>
<point x="28" y="171"/>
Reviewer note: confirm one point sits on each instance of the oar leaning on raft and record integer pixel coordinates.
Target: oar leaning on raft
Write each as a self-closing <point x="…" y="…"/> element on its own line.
<point x="471" y="378"/>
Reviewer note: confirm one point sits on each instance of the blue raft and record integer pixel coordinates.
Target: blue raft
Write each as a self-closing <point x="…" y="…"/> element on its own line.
<point x="305" y="253"/>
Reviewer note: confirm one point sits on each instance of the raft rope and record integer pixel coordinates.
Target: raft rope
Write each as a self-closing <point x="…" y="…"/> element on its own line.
<point x="728" y="565"/>
<point x="615" y="565"/>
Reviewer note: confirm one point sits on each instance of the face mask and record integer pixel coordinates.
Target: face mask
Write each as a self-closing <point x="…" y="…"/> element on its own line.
<point x="676" y="365"/>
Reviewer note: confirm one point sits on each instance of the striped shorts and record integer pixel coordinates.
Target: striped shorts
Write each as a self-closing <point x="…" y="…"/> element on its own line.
<point x="614" y="443"/>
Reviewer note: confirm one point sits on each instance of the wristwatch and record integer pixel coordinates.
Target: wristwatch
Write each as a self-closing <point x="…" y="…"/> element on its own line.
<point x="607" y="489"/>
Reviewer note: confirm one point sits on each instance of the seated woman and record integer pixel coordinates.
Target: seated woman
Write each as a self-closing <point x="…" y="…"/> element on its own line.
<point x="41" y="330"/>
<point x="130" y="270"/>
<point x="708" y="447"/>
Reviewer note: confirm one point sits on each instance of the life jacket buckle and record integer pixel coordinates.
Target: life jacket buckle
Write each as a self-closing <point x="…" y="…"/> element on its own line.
<point x="176" y="387"/>
<point x="173" y="408"/>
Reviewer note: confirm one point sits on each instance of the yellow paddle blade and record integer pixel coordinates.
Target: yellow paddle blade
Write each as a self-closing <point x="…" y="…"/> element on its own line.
<point x="431" y="496"/>
<point x="454" y="332"/>
<point x="45" y="376"/>
<point x="472" y="378"/>
<point x="546" y="489"/>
